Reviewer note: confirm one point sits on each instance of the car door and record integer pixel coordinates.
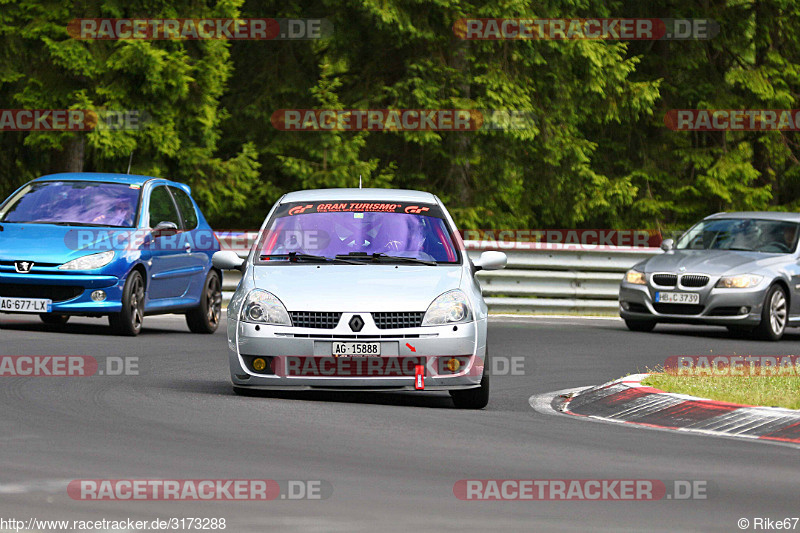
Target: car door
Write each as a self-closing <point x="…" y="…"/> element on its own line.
<point x="193" y="241"/>
<point x="170" y="265"/>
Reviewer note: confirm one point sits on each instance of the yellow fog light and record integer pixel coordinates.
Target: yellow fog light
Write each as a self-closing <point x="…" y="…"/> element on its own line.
<point x="453" y="365"/>
<point x="259" y="364"/>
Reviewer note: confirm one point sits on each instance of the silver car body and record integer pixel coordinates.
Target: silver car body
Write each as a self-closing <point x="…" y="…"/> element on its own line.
<point x="361" y="289"/>
<point x="720" y="306"/>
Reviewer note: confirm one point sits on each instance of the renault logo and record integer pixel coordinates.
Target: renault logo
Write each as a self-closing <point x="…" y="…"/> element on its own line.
<point x="23" y="267"/>
<point x="356" y="323"/>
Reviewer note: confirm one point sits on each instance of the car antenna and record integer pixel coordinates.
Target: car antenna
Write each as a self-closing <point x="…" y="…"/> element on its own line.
<point x="130" y="160"/>
<point x="359" y="181"/>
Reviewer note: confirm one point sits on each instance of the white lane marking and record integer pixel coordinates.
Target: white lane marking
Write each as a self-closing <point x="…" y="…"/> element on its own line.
<point x="44" y="485"/>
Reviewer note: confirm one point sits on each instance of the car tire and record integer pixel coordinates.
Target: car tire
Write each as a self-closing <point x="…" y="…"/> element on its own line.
<point x="476" y="398"/>
<point x="52" y="319"/>
<point x="205" y="317"/>
<point x="774" y="315"/>
<point x="129" y="321"/>
<point x="640" y="325"/>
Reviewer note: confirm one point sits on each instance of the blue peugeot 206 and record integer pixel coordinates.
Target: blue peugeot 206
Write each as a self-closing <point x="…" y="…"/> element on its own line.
<point x="111" y="245"/>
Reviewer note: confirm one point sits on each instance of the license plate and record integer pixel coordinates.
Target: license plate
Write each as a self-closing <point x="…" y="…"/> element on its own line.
<point x="677" y="297"/>
<point x="356" y="349"/>
<point x="26" y="305"/>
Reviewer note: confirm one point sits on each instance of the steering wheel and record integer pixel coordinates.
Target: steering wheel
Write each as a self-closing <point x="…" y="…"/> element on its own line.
<point x="779" y="245"/>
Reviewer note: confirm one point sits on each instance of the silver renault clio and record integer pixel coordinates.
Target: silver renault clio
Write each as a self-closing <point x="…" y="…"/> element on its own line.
<point x="354" y="289"/>
<point x="740" y="270"/>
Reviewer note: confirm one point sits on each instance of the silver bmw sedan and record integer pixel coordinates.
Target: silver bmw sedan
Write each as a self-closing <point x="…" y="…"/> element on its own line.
<point x="740" y="270"/>
<point x="353" y="289"/>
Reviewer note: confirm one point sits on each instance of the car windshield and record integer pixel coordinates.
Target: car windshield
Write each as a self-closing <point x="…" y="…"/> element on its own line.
<point x="74" y="203"/>
<point x="356" y="232"/>
<point x="747" y="234"/>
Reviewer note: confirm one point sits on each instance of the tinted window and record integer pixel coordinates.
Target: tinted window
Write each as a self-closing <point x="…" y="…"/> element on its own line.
<point x="747" y="235"/>
<point x="187" y="208"/>
<point x="74" y="203"/>
<point x="162" y="208"/>
<point x="331" y="229"/>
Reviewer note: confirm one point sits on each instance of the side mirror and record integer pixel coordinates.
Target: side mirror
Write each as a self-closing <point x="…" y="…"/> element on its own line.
<point x="490" y="261"/>
<point x="165" y="229"/>
<point x="227" y="260"/>
<point x="667" y="245"/>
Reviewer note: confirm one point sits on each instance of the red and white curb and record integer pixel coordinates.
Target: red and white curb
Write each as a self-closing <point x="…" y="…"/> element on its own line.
<point x="627" y="401"/>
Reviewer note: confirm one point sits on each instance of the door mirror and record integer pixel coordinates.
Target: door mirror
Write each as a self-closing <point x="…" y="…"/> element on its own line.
<point x="165" y="229"/>
<point x="490" y="261"/>
<point x="227" y="260"/>
<point x="667" y="245"/>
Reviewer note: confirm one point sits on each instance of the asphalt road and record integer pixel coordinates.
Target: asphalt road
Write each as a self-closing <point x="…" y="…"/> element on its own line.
<point x="392" y="459"/>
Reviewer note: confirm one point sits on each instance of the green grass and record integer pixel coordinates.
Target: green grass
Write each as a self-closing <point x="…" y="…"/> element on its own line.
<point x="774" y="391"/>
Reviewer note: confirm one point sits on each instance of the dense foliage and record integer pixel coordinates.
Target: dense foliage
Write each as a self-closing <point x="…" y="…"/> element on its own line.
<point x="598" y="154"/>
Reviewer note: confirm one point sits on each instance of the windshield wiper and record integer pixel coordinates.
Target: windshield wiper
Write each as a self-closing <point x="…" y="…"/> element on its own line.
<point x="295" y="257"/>
<point x="386" y="258"/>
<point x="740" y="249"/>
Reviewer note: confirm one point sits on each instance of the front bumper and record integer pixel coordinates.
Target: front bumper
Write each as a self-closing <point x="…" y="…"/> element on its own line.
<point x="717" y="306"/>
<point x="78" y="299"/>
<point x="428" y="344"/>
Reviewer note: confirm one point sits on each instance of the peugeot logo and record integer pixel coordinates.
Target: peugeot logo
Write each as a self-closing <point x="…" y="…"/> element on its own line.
<point x="23" y="267"/>
<point x="356" y="323"/>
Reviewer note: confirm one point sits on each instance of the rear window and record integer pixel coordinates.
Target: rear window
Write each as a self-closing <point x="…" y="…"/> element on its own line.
<point x="342" y="228"/>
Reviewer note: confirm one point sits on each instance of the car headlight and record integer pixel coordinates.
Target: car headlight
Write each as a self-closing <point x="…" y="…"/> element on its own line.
<point x="635" y="277"/>
<point x="448" y="308"/>
<point x="743" y="281"/>
<point x="264" y="307"/>
<point x="89" y="262"/>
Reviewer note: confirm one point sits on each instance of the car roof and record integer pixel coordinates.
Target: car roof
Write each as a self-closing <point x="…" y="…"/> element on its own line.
<point x="128" y="179"/>
<point x="398" y="195"/>
<point x="764" y="215"/>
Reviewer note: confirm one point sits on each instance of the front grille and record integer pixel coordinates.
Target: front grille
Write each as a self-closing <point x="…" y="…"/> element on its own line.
<point x="315" y="319"/>
<point x="395" y="320"/>
<point x="678" y="309"/>
<point x="35" y="264"/>
<point x="665" y="280"/>
<point x="57" y="293"/>
<point x="694" y="280"/>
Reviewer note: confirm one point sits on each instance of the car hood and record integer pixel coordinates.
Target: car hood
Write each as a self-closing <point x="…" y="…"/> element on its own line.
<point x="48" y="243"/>
<point x="713" y="262"/>
<point x="357" y="288"/>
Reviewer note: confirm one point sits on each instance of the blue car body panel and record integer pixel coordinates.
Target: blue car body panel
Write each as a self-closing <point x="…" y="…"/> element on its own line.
<point x="175" y="266"/>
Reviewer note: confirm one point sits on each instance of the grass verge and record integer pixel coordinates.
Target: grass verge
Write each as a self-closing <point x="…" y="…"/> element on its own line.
<point x="767" y="390"/>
